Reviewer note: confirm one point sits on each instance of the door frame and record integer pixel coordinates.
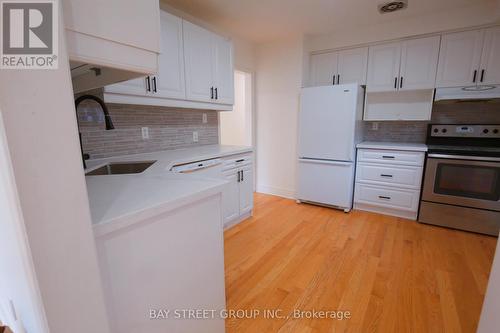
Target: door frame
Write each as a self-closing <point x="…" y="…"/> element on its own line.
<point x="20" y="240"/>
<point x="253" y="115"/>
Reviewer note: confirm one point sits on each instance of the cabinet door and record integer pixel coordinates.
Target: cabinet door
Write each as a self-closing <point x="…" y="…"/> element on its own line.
<point x="323" y="69"/>
<point x="136" y="87"/>
<point x="198" y="57"/>
<point x="383" y="67"/>
<point x="352" y="66"/>
<point x="246" y="190"/>
<point x="490" y="62"/>
<point x="419" y="59"/>
<point x="170" y="79"/>
<point x="224" y="71"/>
<point x="231" y="197"/>
<point x="459" y="59"/>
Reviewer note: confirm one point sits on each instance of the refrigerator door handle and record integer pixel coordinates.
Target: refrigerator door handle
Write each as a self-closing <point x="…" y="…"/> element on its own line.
<point x="315" y="161"/>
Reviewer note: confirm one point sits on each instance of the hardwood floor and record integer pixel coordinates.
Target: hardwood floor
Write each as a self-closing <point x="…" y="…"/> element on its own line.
<point x="393" y="275"/>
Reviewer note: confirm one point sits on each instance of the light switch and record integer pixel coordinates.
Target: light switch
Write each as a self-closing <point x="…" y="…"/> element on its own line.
<point x="204" y="118"/>
<point x="195" y="136"/>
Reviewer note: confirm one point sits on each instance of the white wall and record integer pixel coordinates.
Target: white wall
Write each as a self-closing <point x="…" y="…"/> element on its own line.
<point x="278" y="82"/>
<point x="490" y="318"/>
<point x="236" y="126"/>
<point x="39" y="115"/>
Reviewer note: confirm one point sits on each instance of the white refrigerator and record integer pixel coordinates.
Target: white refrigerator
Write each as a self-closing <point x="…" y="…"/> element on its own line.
<point x="330" y="121"/>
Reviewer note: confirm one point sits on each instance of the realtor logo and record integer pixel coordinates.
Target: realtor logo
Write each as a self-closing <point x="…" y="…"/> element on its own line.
<point x="29" y="34"/>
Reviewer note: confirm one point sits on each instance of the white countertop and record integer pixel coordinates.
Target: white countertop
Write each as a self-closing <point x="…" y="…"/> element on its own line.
<point x="393" y="146"/>
<point x="126" y="198"/>
<point x="168" y="158"/>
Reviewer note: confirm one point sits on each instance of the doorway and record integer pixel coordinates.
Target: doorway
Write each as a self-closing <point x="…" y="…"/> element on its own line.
<point x="236" y="127"/>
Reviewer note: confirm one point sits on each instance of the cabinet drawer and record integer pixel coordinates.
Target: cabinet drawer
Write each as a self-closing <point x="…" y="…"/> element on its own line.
<point x="388" y="175"/>
<point x="387" y="197"/>
<point x="391" y="156"/>
<point x="237" y="161"/>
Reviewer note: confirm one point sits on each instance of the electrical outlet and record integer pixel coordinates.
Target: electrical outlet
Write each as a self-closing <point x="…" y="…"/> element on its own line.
<point x="145" y="133"/>
<point x="195" y="136"/>
<point x="375" y="126"/>
<point x="204" y="118"/>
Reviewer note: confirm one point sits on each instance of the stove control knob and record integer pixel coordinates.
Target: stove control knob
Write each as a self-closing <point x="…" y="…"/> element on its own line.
<point x="495" y="131"/>
<point x="444" y="130"/>
<point x="486" y="131"/>
<point x="436" y="130"/>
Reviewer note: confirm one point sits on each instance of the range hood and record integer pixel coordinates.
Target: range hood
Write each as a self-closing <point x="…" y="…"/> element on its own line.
<point x="468" y="93"/>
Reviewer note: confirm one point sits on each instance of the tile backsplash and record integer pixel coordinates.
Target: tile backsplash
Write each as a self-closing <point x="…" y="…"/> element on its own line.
<point x="442" y="113"/>
<point x="169" y="128"/>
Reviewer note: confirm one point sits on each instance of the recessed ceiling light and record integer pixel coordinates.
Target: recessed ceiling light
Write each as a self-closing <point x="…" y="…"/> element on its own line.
<point x="392" y="6"/>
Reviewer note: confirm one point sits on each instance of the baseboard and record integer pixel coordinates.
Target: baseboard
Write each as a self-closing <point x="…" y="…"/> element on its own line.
<point x="238" y="220"/>
<point x="281" y="192"/>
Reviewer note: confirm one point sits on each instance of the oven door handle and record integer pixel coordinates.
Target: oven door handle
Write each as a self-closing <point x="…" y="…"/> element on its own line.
<point x="469" y="158"/>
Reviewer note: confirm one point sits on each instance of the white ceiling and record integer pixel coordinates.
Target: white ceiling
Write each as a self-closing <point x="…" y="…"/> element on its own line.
<point x="265" y="20"/>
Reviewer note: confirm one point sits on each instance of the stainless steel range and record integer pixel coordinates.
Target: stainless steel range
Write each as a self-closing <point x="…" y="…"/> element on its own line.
<point x="462" y="178"/>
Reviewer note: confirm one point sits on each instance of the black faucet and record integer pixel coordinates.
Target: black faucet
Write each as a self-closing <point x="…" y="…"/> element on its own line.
<point x="107" y="119"/>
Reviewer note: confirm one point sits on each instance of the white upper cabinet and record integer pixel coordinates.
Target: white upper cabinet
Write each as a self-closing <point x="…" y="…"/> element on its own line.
<point x="346" y="66"/>
<point x="406" y="65"/>
<point x="419" y="59"/>
<point x="170" y="79"/>
<point x="209" y="66"/>
<point x="223" y="71"/>
<point x="195" y="71"/>
<point x="459" y="59"/>
<point x="199" y="62"/>
<point x="352" y="66"/>
<point x="383" y="67"/>
<point x="324" y="69"/>
<point x="490" y="61"/>
<point x="121" y="34"/>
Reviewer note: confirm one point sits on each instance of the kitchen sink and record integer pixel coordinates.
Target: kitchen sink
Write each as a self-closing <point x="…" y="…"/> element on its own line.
<point x="121" y="168"/>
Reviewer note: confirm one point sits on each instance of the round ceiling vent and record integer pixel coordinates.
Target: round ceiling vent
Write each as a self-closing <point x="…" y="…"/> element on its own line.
<point x="392" y="6"/>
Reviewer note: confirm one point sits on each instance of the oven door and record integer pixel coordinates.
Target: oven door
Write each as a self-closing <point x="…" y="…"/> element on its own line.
<point x="458" y="181"/>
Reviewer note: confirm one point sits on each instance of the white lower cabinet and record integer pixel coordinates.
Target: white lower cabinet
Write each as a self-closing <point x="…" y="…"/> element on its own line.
<point x="171" y="261"/>
<point x="231" y="196"/>
<point x="389" y="181"/>
<point x="237" y="198"/>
